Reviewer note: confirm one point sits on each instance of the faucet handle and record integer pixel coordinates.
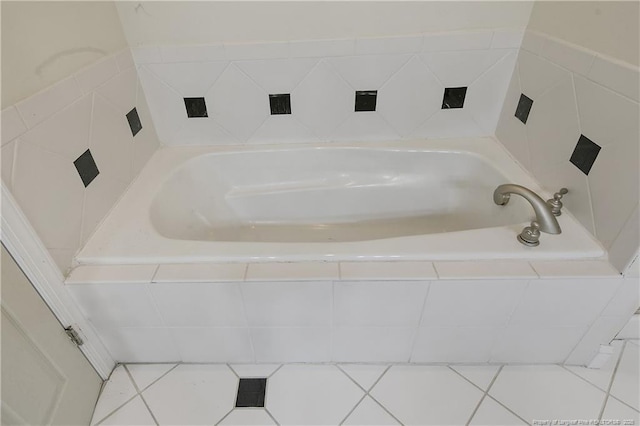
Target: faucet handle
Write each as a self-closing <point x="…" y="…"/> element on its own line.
<point x="530" y="235"/>
<point x="555" y="203"/>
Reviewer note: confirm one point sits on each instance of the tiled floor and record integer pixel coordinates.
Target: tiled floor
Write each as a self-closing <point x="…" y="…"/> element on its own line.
<point x="355" y="394"/>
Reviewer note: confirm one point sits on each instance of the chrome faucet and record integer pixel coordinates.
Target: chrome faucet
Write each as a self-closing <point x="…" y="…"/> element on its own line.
<point x="545" y="220"/>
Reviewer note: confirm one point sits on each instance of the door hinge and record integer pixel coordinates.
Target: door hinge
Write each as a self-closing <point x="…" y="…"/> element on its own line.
<point x="74" y="336"/>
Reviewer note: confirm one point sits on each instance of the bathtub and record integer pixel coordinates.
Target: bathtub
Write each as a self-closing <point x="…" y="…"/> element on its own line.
<point x="408" y="200"/>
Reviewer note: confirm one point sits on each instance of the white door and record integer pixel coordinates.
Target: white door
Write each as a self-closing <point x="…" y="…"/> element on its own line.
<point x="45" y="378"/>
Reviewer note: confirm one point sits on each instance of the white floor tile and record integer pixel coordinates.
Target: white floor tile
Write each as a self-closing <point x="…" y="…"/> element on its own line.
<point x="480" y="375"/>
<point x="546" y="392"/>
<point x="145" y="374"/>
<point x="369" y="412"/>
<point x="626" y="381"/>
<point x="248" y="417"/>
<point x="311" y="395"/>
<point x="193" y="394"/>
<point x="254" y="370"/>
<point x="601" y="377"/>
<point x="366" y="375"/>
<point x="133" y="412"/>
<point x="117" y="390"/>
<point x="492" y="413"/>
<point x="616" y="410"/>
<point x="426" y="395"/>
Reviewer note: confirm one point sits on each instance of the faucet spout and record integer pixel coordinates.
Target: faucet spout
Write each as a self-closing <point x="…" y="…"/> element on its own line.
<point x="544" y="216"/>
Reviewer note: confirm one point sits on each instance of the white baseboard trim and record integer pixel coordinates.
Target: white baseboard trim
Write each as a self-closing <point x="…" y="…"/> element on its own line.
<point x="21" y="240"/>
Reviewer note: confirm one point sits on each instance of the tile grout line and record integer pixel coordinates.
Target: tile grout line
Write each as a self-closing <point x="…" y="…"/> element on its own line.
<point x="613" y="377"/>
<point x="158" y="379"/>
<point x="225" y="416"/>
<point x="378" y="402"/>
<point x="353" y="409"/>
<point x="271" y="415"/>
<point x="117" y="409"/>
<point x="486" y="391"/>
<point x="424" y="306"/>
<point x="135" y="385"/>
<point x="582" y="378"/>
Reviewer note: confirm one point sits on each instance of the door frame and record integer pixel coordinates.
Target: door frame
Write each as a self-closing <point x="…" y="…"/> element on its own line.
<point x="34" y="259"/>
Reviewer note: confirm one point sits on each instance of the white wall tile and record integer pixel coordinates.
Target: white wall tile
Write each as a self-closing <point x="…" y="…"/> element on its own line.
<point x="371" y="344"/>
<point x="389" y="45"/>
<point x="624" y="248"/>
<point x="121" y="90"/>
<point x="146" y="55"/>
<point x="189" y="79"/>
<point x="237" y="103"/>
<point x="292" y="271"/>
<point x="537" y="74"/>
<point x="461" y="68"/>
<point x="410" y="97"/>
<point x="564" y="303"/>
<point x="535" y="344"/>
<point x="507" y="39"/>
<point x="618" y="76"/>
<point x="283" y="128"/>
<point x="472" y="303"/>
<point x="323" y="100"/>
<point x="116" y="305"/>
<point x="368" y="72"/>
<point x="571" y="57"/>
<point x="626" y="299"/>
<point x="601" y="332"/>
<point x="12" y="124"/>
<point x="51" y="202"/>
<point x="381" y="304"/>
<point x="278" y="75"/>
<point x="450" y="123"/>
<point x="296" y="304"/>
<point x="124" y="59"/>
<point x="611" y="121"/>
<point x="364" y="126"/>
<point x="47" y="102"/>
<point x="321" y="48"/>
<point x="511" y="132"/>
<point x="387" y="271"/>
<point x="196" y="53"/>
<point x="468" y="40"/>
<point x="494" y="269"/>
<point x="219" y="344"/>
<point x="454" y="344"/>
<point x="111" y="142"/>
<point x="292" y="344"/>
<point x="8" y="156"/>
<point x="146" y="142"/>
<point x="574" y="269"/>
<point x="199" y="305"/>
<point x="96" y="74"/>
<point x="485" y="96"/>
<point x="140" y="344"/>
<point x="200" y="272"/>
<point x="533" y="42"/>
<point x="100" y="197"/>
<point x="273" y="50"/>
<point x="625" y="385"/>
<point x="105" y="274"/>
<point x="66" y="133"/>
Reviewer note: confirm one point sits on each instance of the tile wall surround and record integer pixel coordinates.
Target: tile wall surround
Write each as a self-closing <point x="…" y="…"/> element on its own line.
<point x="324" y="79"/>
<point x="418" y="312"/>
<point x="70" y="151"/>
<point x="581" y="131"/>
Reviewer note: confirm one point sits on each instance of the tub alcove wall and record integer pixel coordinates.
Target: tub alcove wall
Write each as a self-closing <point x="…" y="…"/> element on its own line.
<point x="169" y="59"/>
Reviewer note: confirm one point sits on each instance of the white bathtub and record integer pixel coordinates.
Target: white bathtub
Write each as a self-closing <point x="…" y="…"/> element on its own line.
<point x="415" y="200"/>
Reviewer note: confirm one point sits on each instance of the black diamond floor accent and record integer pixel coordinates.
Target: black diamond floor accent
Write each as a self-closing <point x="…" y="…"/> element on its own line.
<point x="251" y="392"/>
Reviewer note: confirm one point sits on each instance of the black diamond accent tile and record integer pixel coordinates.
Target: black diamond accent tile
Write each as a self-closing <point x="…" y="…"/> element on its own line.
<point x="134" y="121"/>
<point x="454" y="97"/>
<point x="366" y="100"/>
<point x="585" y="154"/>
<point x="86" y="168"/>
<point x="523" y="108"/>
<point x="251" y="393"/>
<point x="196" y="107"/>
<point x="280" y="104"/>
